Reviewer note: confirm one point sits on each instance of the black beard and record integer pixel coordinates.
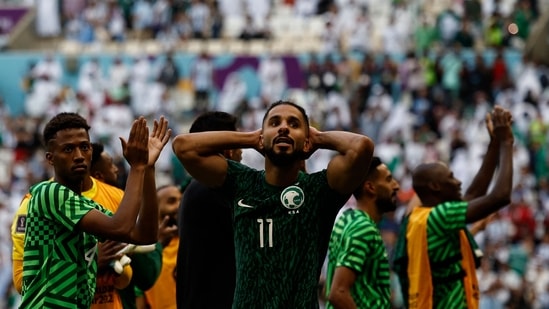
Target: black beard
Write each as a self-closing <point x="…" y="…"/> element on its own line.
<point x="385" y="205"/>
<point x="283" y="160"/>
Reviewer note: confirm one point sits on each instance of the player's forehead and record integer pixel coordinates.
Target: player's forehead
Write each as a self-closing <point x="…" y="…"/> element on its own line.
<point x="71" y="136"/>
<point x="168" y="191"/>
<point x="383" y="171"/>
<point x="285" y="111"/>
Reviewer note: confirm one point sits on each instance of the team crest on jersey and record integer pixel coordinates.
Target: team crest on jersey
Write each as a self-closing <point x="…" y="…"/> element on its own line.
<point x="292" y="198"/>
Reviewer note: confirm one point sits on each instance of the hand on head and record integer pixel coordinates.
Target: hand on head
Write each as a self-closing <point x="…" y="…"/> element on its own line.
<point x="313" y="146"/>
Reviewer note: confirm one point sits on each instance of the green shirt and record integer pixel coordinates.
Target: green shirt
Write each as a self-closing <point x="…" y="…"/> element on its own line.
<point x="444" y="224"/>
<point x="281" y="237"/>
<point x="356" y="244"/>
<point x="59" y="261"/>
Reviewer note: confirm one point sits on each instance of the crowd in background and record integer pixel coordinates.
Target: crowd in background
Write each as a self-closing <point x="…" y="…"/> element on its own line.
<point x="416" y="94"/>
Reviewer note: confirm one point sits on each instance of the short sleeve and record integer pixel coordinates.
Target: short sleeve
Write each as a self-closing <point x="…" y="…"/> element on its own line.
<point x="449" y="216"/>
<point x="355" y="245"/>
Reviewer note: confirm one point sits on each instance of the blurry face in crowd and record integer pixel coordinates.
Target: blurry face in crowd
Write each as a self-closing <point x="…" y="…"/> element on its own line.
<point x="169" y="199"/>
<point x="105" y="170"/>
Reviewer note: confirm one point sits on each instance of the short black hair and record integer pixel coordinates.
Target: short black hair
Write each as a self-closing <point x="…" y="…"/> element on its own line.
<point x="214" y="121"/>
<point x="372" y="169"/>
<point x="282" y="102"/>
<point x="98" y="149"/>
<point x="63" y="121"/>
<point x="370" y="174"/>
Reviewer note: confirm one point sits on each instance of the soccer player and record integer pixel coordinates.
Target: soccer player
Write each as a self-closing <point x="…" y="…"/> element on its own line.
<point x="282" y="217"/>
<point x="107" y="196"/>
<point x="62" y="226"/>
<point x="435" y="254"/>
<point x="205" y="219"/>
<point x="162" y="294"/>
<point x="145" y="266"/>
<point x="358" y="268"/>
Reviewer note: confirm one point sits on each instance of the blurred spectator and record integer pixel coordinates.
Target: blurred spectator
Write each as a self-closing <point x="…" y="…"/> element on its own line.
<point x="91" y="83"/>
<point x="199" y="14"/>
<point x="169" y="72"/>
<point x="233" y="94"/>
<point x="47" y="76"/>
<point x="448" y="24"/>
<point x="330" y="39"/>
<point x="216" y="20"/>
<point x="142" y="19"/>
<point x="395" y="42"/>
<point x="48" y="19"/>
<point x="464" y="36"/>
<point x="424" y="36"/>
<point x="272" y="77"/>
<point x="118" y="75"/>
<point x="359" y="32"/>
<point x="161" y="16"/>
<point x="116" y="23"/>
<point x="202" y="75"/>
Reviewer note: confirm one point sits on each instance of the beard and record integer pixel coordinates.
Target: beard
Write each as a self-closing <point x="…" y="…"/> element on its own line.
<point x="283" y="159"/>
<point x="385" y="204"/>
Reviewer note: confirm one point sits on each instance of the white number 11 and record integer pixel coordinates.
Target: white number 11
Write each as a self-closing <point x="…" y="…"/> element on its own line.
<point x="261" y="237"/>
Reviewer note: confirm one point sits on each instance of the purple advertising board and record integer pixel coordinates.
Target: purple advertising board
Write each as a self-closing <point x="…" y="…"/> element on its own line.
<point x="9" y="17"/>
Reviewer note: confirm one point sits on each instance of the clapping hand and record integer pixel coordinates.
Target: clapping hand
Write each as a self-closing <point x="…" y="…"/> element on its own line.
<point x="135" y="149"/>
<point x="502" y="121"/>
<point x="158" y="139"/>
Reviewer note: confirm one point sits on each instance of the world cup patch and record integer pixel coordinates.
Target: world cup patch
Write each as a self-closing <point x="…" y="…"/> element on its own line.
<point x="292" y="197"/>
<point x="21" y="224"/>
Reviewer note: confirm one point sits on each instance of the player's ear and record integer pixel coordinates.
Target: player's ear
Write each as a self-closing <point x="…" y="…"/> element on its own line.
<point x="369" y="187"/>
<point x="49" y="157"/>
<point x="434" y="186"/>
<point x="306" y="145"/>
<point x="261" y="142"/>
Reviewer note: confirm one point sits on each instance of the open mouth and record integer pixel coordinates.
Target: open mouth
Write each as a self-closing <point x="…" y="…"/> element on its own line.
<point x="283" y="140"/>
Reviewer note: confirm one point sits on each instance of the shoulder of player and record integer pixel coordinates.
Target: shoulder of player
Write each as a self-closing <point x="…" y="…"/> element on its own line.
<point x="106" y="186"/>
<point x="450" y="205"/>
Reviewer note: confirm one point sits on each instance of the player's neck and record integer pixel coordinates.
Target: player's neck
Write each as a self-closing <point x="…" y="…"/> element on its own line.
<point x="430" y="201"/>
<point x="87" y="183"/>
<point x="281" y="176"/>
<point x="370" y="208"/>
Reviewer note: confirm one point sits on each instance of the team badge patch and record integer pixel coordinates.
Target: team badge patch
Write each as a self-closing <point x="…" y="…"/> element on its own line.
<point x="292" y="197"/>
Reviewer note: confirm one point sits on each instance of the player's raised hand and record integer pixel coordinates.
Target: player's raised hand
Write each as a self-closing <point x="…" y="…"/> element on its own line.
<point x="502" y="122"/>
<point x="158" y="139"/>
<point x="489" y="125"/>
<point x="135" y="149"/>
<point x="313" y="145"/>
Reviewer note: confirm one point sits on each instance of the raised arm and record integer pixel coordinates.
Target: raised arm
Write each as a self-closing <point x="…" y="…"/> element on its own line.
<point x="484" y="176"/>
<point x="500" y="195"/>
<point x="121" y="226"/>
<point x="346" y="169"/>
<point x="147" y="222"/>
<point x="200" y="153"/>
